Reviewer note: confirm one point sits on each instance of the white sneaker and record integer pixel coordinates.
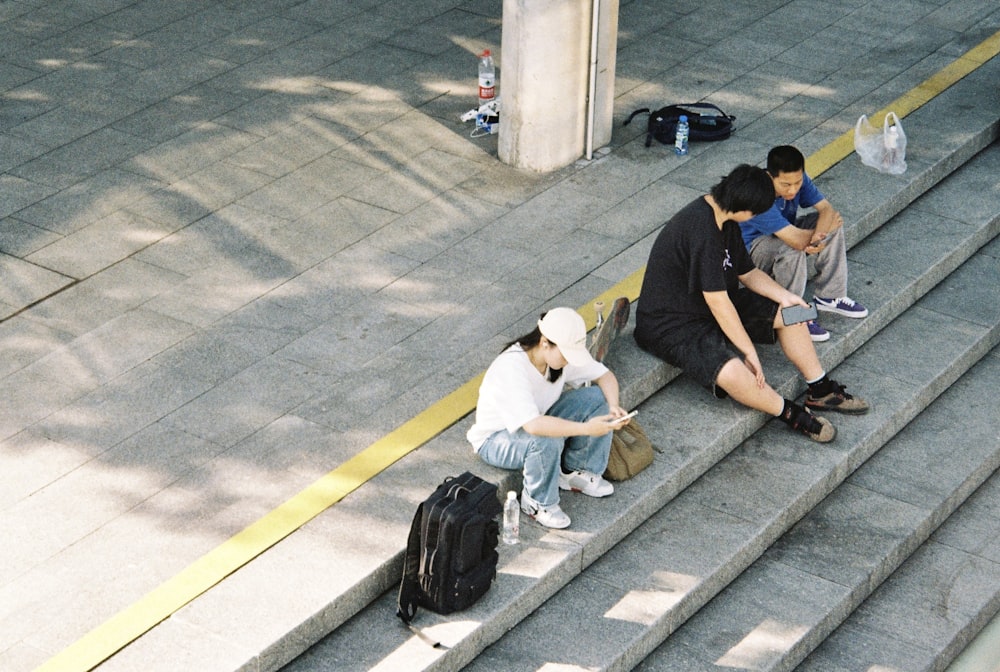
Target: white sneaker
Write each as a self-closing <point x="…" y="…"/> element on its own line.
<point x="547" y="516"/>
<point x="586" y="482"/>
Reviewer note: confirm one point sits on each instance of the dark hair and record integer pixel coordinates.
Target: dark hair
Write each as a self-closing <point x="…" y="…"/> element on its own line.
<point x="745" y="188"/>
<point x="529" y="341"/>
<point x="785" y="159"/>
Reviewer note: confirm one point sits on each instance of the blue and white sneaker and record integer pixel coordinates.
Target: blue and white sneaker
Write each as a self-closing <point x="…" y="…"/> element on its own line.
<point x="842" y="306"/>
<point x="816" y="332"/>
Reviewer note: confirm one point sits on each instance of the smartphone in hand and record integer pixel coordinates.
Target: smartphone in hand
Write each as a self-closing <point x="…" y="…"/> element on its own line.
<point x="615" y="421"/>
<point x="795" y="314"/>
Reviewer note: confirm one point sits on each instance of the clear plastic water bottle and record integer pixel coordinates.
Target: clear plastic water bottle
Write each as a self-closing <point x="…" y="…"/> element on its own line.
<point x="891" y="142"/>
<point x="681" y="136"/>
<point x="511" y="519"/>
<point x="487" y="78"/>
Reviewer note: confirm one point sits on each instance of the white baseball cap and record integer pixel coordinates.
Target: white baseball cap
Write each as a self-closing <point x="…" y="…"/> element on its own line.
<point x="565" y="328"/>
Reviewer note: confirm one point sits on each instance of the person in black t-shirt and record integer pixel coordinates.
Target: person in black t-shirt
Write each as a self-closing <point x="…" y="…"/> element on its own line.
<point x="703" y="305"/>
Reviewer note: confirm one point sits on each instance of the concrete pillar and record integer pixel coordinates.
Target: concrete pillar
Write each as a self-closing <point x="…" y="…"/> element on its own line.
<point x="544" y="85"/>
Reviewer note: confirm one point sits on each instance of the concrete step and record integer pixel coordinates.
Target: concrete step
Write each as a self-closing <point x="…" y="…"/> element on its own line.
<point x="929" y="608"/>
<point x="687" y="423"/>
<point x="319" y="578"/>
<point x="801" y="589"/>
<point x="630" y="600"/>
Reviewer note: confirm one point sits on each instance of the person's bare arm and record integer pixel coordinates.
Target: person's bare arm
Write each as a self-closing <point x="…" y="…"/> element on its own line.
<point x="810" y="241"/>
<point x="759" y="282"/>
<point x="795" y="237"/>
<point x="549" y="425"/>
<point x="828" y="220"/>
<point x="609" y="386"/>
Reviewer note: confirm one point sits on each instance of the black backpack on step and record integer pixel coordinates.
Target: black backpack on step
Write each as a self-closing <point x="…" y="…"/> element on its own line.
<point x="451" y="554"/>
<point x="706" y="122"/>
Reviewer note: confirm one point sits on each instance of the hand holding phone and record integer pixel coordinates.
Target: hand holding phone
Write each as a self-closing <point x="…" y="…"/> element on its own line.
<point x="795" y="314"/>
<point x="615" y="421"/>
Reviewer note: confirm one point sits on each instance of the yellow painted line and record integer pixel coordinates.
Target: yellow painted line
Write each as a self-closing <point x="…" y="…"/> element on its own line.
<point x="132" y="622"/>
<point x="842" y="147"/>
<point x="129" y="624"/>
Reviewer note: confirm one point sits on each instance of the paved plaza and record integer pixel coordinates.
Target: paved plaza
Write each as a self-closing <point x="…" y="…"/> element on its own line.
<point x="240" y="242"/>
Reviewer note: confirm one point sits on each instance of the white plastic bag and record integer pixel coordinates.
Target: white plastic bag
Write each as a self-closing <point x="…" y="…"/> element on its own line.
<point x="885" y="150"/>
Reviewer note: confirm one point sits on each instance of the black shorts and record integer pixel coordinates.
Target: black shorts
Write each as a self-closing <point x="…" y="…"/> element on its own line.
<point x="700" y="349"/>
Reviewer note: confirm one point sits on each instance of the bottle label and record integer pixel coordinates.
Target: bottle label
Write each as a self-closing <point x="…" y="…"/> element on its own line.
<point x="680" y="141"/>
<point x="487" y="88"/>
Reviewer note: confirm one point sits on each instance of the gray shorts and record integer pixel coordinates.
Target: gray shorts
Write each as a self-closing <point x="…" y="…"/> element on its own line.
<point x="700" y="349"/>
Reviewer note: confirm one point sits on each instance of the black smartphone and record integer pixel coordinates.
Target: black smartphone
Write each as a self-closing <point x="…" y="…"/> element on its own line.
<point x="796" y="314"/>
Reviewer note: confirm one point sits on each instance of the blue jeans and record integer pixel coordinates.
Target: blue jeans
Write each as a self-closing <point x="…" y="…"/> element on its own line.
<point x="540" y="457"/>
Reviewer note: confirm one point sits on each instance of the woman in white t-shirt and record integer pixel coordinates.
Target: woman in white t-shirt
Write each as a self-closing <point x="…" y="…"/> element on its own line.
<point x="527" y="418"/>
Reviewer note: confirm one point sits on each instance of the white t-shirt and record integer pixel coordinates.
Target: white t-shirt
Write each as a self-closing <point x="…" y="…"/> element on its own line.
<point x="513" y="393"/>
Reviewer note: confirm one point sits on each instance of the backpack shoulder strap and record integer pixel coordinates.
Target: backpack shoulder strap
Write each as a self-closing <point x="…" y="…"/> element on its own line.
<point x="409" y="588"/>
<point x="634" y="114"/>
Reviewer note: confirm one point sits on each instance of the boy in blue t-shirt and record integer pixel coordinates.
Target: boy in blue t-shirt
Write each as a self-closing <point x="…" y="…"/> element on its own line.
<point x="780" y="241"/>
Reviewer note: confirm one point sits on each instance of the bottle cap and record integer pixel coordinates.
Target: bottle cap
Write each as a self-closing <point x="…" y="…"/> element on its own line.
<point x="684" y="117"/>
<point x="486" y="52"/>
<point x="511" y="494"/>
